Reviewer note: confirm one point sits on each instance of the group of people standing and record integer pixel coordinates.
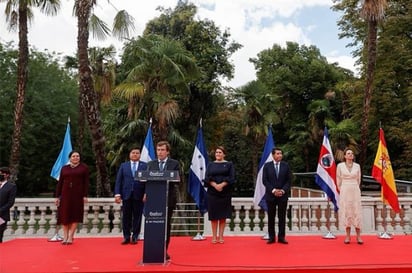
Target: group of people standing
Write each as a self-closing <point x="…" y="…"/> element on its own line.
<point x="73" y="186"/>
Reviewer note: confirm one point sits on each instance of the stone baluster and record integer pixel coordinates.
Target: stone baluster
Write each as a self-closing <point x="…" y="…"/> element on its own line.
<point x="295" y="218"/>
<point x="116" y="221"/>
<point x="237" y="220"/>
<point x="305" y="220"/>
<point x="20" y="222"/>
<point x="388" y="219"/>
<point x="398" y="220"/>
<point x="314" y="219"/>
<point x="53" y="221"/>
<point x="247" y="220"/>
<point x="105" y="221"/>
<point x="31" y="222"/>
<point x="256" y="219"/>
<point x="42" y="221"/>
<point x="333" y="227"/>
<point x="407" y="218"/>
<point x="95" y="220"/>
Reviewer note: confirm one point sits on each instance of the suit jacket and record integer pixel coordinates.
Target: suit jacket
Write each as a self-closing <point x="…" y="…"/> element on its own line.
<point x="270" y="181"/>
<point x="126" y="185"/>
<point x="7" y="197"/>
<point x="170" y="165"/>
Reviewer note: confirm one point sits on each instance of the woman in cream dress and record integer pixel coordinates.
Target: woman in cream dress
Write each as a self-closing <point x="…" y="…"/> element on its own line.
<point x="348" y="175"/>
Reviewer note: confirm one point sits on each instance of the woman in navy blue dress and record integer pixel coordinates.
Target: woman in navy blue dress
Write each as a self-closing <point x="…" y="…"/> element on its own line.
<point x="220" y="176"/>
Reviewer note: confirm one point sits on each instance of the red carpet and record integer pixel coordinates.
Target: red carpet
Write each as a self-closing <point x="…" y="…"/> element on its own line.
<point x="237" y="254"/>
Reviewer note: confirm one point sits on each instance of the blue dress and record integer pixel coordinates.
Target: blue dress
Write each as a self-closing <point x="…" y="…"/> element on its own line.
<point x="220" y="203"/>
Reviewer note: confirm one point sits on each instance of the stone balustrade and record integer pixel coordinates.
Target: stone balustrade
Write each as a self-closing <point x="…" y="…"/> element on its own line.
<point x="36" y="217"/>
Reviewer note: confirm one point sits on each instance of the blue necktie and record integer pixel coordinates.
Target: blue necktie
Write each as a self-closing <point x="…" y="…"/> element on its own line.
<point x="134" y="168"/>
<point x="162" y="165"/>
<point x="277" y="169"/>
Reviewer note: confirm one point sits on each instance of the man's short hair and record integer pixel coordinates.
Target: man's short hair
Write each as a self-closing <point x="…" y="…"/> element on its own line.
<point x="5" y="170"/>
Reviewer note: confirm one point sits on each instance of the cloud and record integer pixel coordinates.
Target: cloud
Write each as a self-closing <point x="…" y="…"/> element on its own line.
<point x="256" y="24"/>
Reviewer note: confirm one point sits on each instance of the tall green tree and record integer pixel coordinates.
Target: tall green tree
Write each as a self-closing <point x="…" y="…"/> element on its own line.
<point x="88" y="95"/>
<point x="298" y="76"/>
<point x="18" y="14"/>
<point x="51" y="98"/>
<point x="373" y="11"/>
<point x="257" y="104"/>
<point x="212" y="49"/>
<point x="390" y="101"/>
<point x="160" y="72"/>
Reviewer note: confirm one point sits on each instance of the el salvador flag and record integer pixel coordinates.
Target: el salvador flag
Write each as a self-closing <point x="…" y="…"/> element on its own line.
<point x="326" y="171"/>
<point x="197" y="173"/>
<point x="63" y="158"/>
<point x="259" y="196"/>
<point x="148" y="151"/>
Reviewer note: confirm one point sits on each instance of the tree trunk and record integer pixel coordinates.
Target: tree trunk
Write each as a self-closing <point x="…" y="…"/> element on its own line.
<point x="372" y="36"/>
<point x="89" y="99"/>
<point x="22" y="74"/>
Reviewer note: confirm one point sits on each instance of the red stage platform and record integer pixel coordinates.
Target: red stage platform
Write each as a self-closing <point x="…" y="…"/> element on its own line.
<point x="237" y="254"/>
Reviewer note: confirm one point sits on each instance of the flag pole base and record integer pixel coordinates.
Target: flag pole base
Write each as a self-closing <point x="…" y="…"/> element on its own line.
<point x="329" y="235"/>
<point x="56" y="238"/>
<point x="198" y="237"/>
<point x="385" y="235"/>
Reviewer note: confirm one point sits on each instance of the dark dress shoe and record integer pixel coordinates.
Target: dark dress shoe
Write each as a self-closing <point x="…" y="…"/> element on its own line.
<point x="125" y="242"/>
<point x="134" y="241"/>
<point x="283" y="241"/>
<point x="270" y="241"/>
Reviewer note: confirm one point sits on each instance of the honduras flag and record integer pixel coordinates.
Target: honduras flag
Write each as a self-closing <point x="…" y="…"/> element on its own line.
<point x="197" y="173"/>
<point x="259" y="196"/>
<point x="326" y="171"/>
<point x="63" y="158"/>
<point x="148" y="151"/>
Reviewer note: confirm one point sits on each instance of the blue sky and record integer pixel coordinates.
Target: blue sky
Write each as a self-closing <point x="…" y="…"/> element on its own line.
<point x="256" y="24"/>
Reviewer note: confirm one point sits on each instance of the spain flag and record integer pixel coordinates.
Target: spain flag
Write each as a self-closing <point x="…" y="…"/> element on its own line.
<point x="383" y="173"/>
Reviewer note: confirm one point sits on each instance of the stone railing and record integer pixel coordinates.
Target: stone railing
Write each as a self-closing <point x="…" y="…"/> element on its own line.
<point x="36" y="217"/>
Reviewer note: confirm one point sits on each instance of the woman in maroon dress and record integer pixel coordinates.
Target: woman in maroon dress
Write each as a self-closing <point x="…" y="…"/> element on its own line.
<point x="71" y="194"/>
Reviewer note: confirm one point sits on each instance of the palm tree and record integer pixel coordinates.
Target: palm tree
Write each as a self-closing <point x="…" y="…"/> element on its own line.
<point x="18" y="14"/>
<point x="160" y="73"/>
<point x="88" y="96"/>
<point x="258" y="105"/>
<point x="373" y="12"/>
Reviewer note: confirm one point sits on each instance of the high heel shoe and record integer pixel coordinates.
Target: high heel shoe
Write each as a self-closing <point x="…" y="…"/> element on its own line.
<point x="347" y="241"/>
<point x="359" y="241"/>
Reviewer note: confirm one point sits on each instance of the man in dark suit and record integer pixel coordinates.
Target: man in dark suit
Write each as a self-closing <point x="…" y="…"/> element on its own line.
<point x="164" y="162"/>
<point x="8" y="192"/>
<point x="131" y="193"/>
<point x="277" y="179"/>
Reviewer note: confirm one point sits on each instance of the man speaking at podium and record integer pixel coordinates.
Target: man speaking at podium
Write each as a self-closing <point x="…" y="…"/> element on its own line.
<point x="162" y="163"/>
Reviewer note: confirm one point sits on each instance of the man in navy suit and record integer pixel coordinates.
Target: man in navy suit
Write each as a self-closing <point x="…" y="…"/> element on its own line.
<point x="277" y="179"/>
<point x="131" y="193"/>
<point x="8" y="192"/>
<point x="164" y="162"/>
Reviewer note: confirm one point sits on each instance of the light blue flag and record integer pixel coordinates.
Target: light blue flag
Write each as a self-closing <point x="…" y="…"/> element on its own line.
<point x="259" y="196"/>
<point x="148" y="151"/>
<point x="197" y="173"/>
<point x="63" y="158"/>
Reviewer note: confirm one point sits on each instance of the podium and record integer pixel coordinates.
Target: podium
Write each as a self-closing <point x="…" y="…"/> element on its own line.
<point x="155" y="212"/>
